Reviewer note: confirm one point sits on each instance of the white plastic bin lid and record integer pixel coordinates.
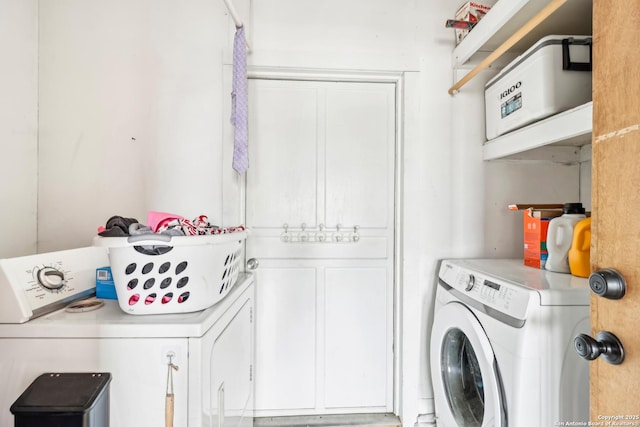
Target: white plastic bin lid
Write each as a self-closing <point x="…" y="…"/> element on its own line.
<point x="543" y="42"/>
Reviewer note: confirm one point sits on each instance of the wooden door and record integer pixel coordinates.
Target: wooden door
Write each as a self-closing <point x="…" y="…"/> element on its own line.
<point x="616" y="202"/>
<point x="322" y="158"/>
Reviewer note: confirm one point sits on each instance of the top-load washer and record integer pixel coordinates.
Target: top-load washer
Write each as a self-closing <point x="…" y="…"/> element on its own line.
<point x="502" y="345"/>
<point x="212" y="348"/>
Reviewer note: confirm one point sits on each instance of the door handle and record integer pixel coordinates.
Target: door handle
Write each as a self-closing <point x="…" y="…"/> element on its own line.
<point x="252" y="263"/>
<point x="606" y="345"/>
<point x="608" y="283"/>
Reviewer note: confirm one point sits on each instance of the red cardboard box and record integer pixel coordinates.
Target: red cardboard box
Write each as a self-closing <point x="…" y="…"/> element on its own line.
<point x="471" y="11"/>
<point x="536" y="223"/>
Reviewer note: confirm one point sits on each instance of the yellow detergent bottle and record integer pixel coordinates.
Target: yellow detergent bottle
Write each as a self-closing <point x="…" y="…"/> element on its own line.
<point x="580" y="252"/>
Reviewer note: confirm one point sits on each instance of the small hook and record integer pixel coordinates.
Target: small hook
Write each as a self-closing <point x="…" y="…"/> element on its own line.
<point x="170" y="356"/>
<point x="285" y="235"/>
<point x="355" y="236"/>
<point x="338" y="235"/>
<point x="320" y="235"/>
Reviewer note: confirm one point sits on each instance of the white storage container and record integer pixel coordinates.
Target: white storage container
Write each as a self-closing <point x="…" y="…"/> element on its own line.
<point x="554" y="75"/>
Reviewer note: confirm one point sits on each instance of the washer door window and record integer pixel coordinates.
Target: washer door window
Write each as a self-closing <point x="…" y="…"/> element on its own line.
<point x="466" y="379"/>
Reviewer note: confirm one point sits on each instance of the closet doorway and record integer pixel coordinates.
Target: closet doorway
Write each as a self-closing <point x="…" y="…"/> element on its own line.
<point x="319" y="200"/>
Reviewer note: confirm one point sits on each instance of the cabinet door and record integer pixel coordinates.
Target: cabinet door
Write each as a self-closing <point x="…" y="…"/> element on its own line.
<point x="231" y="366"/>
<point x="228" y="358"/>
<point x="616" y="203"/>
<point x="322" y="162"/>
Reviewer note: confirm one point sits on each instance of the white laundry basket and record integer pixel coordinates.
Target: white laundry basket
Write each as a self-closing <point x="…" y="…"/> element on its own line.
<point x="159" y="274"/>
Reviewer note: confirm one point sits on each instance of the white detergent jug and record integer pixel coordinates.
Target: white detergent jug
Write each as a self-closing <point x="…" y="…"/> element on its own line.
<point x="560" y="237"/>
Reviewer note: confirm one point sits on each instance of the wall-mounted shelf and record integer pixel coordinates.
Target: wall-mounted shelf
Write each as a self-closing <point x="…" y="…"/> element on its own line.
<point x="569" y="128"/>
<point x="515" y="25"/>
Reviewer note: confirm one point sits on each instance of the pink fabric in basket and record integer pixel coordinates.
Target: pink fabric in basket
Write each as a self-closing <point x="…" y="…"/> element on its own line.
<point x="156" y="220"/>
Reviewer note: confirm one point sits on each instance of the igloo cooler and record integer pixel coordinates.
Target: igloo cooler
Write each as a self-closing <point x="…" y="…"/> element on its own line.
<point x="552" y="76"/>
<point x="64" y="400"/>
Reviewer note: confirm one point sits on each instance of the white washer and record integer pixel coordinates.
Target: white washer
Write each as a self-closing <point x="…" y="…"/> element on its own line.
<point x="213" y="349"/>
<point x="502" y="345"/>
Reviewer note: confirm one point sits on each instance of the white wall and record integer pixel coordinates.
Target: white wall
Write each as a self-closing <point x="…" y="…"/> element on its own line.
<point x="18" y="126"/>
<point x="130" y="112"/>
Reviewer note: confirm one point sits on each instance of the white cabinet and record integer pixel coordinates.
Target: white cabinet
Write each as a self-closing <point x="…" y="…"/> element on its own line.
<point x="322" y="154"/>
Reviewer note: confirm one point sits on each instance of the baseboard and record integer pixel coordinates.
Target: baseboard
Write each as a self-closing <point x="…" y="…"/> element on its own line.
<point x="343" y="420"/>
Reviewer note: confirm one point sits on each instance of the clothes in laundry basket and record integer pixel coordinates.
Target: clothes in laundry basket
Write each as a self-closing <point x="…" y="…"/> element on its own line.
<point x="163" y="223"/>
<point x="116" y="226"/>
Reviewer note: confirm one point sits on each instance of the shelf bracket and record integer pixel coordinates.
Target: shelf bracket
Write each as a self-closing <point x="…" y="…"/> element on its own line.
<point x="547" y="11"/>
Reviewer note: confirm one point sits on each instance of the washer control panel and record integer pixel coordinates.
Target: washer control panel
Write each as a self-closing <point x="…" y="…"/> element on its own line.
<point x="35" y="285"/>
<point x="491" y="292"/>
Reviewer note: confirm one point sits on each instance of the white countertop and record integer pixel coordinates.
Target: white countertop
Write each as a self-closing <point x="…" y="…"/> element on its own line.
<point x="110" y="321"/>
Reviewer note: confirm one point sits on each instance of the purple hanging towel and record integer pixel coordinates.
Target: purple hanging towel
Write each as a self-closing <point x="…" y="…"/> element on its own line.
<point x="239" y="103"/>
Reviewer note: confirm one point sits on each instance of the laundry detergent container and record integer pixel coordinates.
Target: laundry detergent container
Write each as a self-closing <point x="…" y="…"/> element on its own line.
<point x="64" y="400"/>
<point x="554" y="75"/>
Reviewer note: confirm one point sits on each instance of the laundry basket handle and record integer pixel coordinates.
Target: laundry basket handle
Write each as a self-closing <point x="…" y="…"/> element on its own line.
<point x="151" y="238"/>
<point x="151" y="244"/>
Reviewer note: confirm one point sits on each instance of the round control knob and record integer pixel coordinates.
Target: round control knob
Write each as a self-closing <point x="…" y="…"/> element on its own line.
<point x="51" y="278"/>
<point x="471" y="281"/>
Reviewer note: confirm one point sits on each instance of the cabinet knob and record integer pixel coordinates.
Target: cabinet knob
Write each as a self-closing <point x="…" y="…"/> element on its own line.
<point x="605" y="344"/>
<point x="608" y="283"/>
<point x="252" y="263"/>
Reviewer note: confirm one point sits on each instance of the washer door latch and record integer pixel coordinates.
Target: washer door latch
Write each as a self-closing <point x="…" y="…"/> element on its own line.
<point x="606" y="345"/>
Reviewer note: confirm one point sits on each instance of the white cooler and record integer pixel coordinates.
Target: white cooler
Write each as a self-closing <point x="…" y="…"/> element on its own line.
<point x="552" y="76"/>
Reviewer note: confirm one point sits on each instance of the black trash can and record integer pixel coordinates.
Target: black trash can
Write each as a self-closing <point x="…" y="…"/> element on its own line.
<point x="64" y="400"/>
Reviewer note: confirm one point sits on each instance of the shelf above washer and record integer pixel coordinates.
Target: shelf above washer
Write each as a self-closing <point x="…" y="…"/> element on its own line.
<point x="515" y="25"/>
<point x="569" y="128"/>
